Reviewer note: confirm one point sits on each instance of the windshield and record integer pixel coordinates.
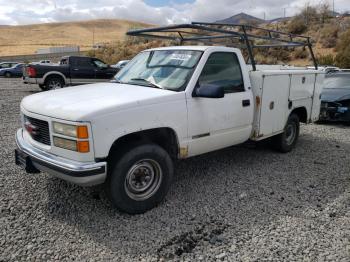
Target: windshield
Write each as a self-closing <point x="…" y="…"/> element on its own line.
<point x="166" y="69"/>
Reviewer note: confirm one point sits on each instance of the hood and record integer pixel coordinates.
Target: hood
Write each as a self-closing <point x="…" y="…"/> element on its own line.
<point x="335" y="94"/>
<point x="82" y="103"/>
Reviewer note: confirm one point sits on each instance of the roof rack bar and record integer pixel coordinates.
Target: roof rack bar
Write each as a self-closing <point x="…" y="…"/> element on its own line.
<point x="277" y="45"/>
<point x="208" y="37"/>
<point x="206" y="32"/>
<point x="270" y="37"/>
<point x="164" y="28"/>
<point x="159" y="36"/>
<point x="312" y="53"/>
<point x="250" y="26"/>
<point x="249" y="48"/>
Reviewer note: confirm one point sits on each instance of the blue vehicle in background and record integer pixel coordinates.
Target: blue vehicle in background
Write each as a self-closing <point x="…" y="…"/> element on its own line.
<point x="14" y="71"/>
<point x="7" y="64"/>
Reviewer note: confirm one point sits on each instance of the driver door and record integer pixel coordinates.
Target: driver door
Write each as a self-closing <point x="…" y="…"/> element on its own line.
<point x="103" y="72"/>
<point x="215" y="123"/>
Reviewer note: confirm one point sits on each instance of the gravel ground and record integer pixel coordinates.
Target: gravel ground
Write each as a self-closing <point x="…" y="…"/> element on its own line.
<point x="243" y="203"/>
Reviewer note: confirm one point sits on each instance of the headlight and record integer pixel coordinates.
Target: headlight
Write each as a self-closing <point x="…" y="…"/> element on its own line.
<point x="70" y="130"/>
<point x="76" y="132"/>
<point x="79" y="146"/>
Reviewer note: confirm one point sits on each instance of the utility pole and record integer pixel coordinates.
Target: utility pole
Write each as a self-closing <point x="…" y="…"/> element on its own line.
<point x="93" y="39"/>
<point x="93" y="36"/>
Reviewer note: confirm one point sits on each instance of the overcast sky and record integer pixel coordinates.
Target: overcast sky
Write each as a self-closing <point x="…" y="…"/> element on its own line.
<point x="17" y="12"/>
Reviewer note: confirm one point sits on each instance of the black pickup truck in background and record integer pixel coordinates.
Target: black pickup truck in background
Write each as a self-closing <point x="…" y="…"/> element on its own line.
<point x="72" y="70"/>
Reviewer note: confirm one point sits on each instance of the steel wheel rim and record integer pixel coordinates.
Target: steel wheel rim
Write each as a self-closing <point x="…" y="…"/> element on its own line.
<point x="55" y="85"/>
<point x="143" y="179"/>
<point x="291" y="131"/>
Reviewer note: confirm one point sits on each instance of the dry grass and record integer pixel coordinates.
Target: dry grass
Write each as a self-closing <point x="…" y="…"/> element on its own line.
<point x="18" y="40"/>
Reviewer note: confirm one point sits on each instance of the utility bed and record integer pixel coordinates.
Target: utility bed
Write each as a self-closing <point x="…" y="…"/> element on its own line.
<point x="275" y="90"/>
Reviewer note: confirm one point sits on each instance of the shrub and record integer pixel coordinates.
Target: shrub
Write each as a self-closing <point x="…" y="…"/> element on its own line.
<point x="297" y="26"/>
<point x="329" y="36"/>
<point x="272" y="56"/>
<point x="343" y="50"/>
<point x="325" y="59"/>
<point x="300" y="53"/>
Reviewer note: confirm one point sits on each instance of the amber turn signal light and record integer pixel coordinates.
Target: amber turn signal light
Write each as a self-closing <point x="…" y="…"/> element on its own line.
<point x="83" y="146"/>
<point x="82" y="132"/>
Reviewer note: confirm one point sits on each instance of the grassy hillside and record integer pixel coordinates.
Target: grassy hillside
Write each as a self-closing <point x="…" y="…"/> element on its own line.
<point x="17" y="40"/>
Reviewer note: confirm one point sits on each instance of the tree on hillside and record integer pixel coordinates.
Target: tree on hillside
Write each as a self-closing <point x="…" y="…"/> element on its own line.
<point x="324" y="12"/>
<point x="309" y="14"/>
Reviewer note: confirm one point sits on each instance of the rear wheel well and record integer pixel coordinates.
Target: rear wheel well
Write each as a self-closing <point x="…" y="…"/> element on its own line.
<point x="164" y="137"/>
<point x="301" y="113"/>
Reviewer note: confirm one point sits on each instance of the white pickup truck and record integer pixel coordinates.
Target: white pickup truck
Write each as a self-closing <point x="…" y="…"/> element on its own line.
<point x="165" y="104"/>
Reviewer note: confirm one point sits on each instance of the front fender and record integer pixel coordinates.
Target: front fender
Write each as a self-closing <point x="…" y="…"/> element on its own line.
<point x="109" y="128"/>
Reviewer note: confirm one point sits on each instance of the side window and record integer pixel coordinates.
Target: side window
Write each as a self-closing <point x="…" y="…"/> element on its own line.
<point x="64" y="61"/>
<point x="223" y="69"/>
<point x="99" y="63"/>
<point x="82" y="62"/>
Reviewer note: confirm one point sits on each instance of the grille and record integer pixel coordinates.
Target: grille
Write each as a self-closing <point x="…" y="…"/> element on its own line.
<point x="38" y="130"/>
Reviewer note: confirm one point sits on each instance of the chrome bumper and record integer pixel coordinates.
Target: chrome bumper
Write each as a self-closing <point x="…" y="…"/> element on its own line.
<point x="35" y="160"/>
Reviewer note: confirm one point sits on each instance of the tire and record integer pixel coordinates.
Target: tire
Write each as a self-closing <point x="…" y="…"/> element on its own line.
<point x="140" y="178"/>
<point x="54" y="82"/>
<point x="286" y="141"/>
<point x="8" y="74"/>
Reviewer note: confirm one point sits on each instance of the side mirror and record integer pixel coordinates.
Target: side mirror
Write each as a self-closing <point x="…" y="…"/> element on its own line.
<point x="209" y="91"/>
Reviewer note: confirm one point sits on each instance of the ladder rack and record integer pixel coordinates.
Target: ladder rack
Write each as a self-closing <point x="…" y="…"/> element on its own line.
<point x="239" y="35"/>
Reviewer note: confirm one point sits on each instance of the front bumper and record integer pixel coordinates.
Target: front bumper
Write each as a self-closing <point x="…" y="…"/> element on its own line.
<point x="35" y="160"/>
<point x="333" y="111"/>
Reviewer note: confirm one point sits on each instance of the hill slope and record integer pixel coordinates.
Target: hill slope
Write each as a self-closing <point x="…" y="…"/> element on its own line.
<point x="16" y="40"/>
<point x="241" y="18"/>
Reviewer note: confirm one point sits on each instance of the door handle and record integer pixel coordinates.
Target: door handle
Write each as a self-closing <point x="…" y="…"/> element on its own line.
<point x="245" y="102"/>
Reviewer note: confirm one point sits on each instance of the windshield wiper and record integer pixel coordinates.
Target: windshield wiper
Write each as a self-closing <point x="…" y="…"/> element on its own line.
<point x="147" y="81"/>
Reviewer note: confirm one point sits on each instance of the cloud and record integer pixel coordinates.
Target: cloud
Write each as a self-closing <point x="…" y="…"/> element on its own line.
<point x="39" y="11"/>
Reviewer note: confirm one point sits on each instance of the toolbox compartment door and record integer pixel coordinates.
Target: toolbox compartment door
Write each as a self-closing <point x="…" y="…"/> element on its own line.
<point x="274" y="104"/>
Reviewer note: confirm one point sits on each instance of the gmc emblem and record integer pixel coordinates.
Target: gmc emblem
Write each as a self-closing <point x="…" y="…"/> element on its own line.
<point x="32" y="129"/>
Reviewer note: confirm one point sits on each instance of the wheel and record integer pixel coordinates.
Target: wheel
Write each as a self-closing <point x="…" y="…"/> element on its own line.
<point x="54" y="82"/>
<point x="286" y="141"/>
<point x="140" y="178"/>
<point x="7" y="74"/>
